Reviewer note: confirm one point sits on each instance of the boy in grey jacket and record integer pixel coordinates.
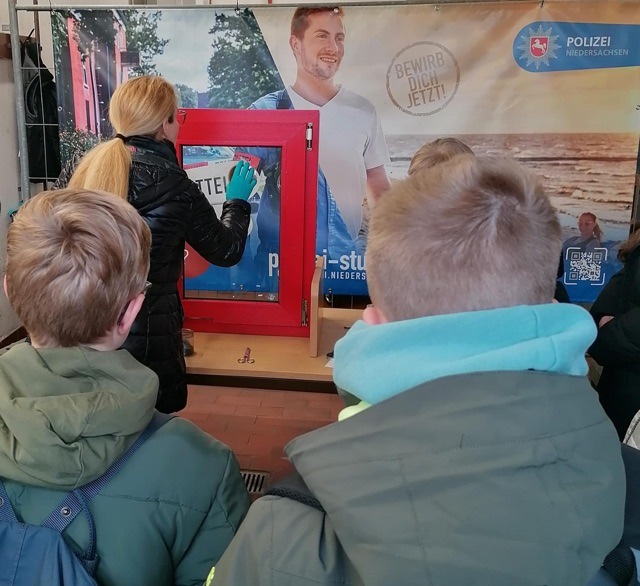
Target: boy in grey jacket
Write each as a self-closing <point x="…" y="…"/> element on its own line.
<point x="478" y="453"/>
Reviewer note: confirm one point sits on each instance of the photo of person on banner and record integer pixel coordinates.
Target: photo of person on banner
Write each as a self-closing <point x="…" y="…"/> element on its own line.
<point x="353" y="152"/>
<point x="584" y="256"/>
<point x="590" y="236"/>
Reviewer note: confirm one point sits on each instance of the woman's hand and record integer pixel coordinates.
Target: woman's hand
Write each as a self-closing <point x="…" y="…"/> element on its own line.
<point x="242" y="182"/>
<point x="604" y="319"/>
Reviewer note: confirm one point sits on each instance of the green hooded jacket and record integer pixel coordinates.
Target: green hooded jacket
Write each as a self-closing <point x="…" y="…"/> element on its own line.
<point x="65" y="415"/>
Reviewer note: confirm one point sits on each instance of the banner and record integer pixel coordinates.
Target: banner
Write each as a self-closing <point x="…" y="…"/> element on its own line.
<point x="554" y="86"/>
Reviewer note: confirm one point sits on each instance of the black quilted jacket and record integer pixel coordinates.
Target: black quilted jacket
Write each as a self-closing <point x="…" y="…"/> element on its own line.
<point x="617" y="347"/>
<point x="177" y="212"/>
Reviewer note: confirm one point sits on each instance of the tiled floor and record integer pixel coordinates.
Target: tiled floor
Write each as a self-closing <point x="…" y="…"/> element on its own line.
<point x="257" y="424"/>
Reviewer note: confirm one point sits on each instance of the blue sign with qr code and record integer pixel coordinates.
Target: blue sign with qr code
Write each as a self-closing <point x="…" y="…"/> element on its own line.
<point x="585" y="266"/>
<point x="587" y="271"/>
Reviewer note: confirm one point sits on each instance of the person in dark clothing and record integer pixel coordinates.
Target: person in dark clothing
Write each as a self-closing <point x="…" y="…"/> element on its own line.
<point x="140" y="165"/>
<point x="616" y="311"/>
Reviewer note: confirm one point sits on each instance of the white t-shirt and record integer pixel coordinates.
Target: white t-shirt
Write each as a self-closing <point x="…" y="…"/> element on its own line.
<point x="351" y="141"/>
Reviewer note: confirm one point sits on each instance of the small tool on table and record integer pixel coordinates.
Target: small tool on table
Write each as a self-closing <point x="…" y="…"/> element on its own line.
<point x="247" y="357"/>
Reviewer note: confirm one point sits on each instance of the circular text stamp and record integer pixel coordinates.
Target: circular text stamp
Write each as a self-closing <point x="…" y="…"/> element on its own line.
<point x="423" y="78"/>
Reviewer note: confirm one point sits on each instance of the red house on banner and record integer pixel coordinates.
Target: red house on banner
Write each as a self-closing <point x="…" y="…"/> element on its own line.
<point x="97" y="68"/>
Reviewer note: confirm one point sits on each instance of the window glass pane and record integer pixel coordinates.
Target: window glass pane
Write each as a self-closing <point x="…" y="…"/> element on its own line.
<point x="255" y="277"/>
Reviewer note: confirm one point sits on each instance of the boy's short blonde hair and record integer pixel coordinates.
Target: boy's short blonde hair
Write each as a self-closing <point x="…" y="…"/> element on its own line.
<point x="436" y="152"/>
<point x="468" y="234"/>
<point x="74" y="259"/>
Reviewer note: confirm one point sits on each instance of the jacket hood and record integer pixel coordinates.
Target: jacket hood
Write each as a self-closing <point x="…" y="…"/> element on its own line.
<point x="472" y="479"/>
<point x="67" y="413"/>
<point x="377" y="362"/>
<point x="155" y="175"/>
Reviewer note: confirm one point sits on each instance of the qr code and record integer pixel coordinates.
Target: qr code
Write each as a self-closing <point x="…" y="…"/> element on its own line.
<point x="585" y="266"/>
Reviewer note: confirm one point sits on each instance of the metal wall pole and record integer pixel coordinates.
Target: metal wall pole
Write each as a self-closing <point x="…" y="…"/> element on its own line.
<point x="23" y="148"/>
<point x="220" y="4"/>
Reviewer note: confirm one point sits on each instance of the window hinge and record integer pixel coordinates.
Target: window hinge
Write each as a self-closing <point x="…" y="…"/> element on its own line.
<point x="309" y="135"/>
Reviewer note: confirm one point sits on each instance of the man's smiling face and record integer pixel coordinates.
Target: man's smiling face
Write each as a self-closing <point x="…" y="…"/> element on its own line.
<point x="321" y="48"/>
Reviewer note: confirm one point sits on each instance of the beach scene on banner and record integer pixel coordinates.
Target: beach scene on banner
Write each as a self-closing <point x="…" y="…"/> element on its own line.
<point x="583" y="174"/>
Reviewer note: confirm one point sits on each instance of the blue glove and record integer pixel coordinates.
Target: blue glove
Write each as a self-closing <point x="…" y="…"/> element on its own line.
<point x="242" y="182"/>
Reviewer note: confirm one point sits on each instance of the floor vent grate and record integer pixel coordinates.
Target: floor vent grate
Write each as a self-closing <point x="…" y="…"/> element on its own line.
<point x="256" y="482"/>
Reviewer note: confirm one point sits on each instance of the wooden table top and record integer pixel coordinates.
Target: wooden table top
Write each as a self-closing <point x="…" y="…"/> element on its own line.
<point x="274" y="356"/>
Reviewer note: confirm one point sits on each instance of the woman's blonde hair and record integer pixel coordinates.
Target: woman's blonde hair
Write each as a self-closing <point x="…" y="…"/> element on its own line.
<point x="436" y="152"/>
<point x="138" y="108"/>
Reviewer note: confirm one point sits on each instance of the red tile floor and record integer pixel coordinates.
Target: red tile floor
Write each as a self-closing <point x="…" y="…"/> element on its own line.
<point x="257" y="424"/>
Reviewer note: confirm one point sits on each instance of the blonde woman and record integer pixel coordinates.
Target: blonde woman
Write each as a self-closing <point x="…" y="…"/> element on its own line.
<point x="140" y="165"/>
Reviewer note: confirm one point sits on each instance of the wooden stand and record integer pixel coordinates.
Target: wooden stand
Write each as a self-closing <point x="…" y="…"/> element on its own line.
<point x="277" y="357"/>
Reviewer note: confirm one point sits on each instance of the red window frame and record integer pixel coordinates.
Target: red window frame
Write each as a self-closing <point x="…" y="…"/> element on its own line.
<point x="286" y="129"/>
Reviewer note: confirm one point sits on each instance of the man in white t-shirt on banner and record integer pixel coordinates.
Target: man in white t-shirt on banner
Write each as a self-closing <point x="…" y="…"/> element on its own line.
<point x="353" y="151"/>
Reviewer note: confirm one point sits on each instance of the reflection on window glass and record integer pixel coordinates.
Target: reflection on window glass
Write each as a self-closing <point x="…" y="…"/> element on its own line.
<point x="255" y="277"/>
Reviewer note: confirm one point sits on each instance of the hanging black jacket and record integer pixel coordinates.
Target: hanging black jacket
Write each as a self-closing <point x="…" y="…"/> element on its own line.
<point x="177" y="212"/>
<point x="41" y="115"/>
<point x="617" y="347"/>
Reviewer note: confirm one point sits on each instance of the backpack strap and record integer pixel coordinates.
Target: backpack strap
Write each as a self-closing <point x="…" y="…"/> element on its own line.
<point x="78" y="500"/>
<point x="6" y="510"/>
<point x="283" y="101"/>
<point x="293" y="487"/>
<point x="93" y="488"/>
<point x="60" y="519"/>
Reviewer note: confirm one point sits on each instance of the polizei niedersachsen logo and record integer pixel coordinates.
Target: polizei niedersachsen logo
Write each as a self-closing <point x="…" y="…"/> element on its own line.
<point x="571" y="46"/>
<point x="538" y="47"/>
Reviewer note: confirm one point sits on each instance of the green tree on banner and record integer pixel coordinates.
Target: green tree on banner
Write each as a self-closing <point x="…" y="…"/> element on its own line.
<point x="93" y="28"/>
<point x="97" y="28"/>
<point x="62" y="68"/>
<point x="74" y="143"/>
<point x="188" y="96"/>
<point x="241" y="68"/>
<point x="142" y="36"/>
<point x="99" y="44"/>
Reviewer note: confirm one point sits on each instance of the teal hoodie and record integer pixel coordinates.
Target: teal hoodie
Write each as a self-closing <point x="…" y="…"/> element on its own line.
<point x="375" y="363"/>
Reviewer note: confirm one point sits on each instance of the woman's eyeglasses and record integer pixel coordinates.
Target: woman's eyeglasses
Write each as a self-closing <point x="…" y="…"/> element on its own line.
<point x="146" y="287"/>
<point x="181" y="117"/>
